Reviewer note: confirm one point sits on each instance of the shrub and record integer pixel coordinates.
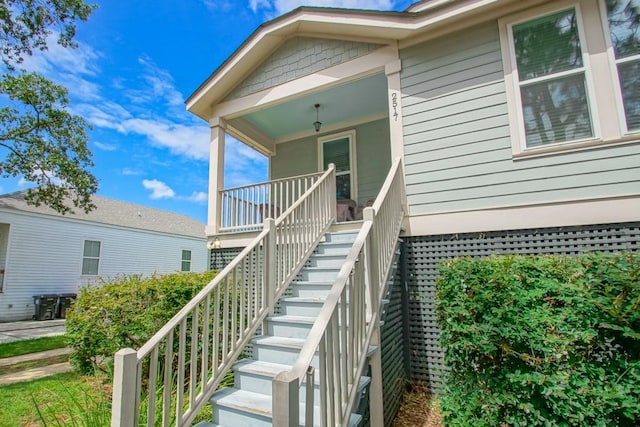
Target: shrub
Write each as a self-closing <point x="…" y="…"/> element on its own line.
<point x="544" y="340"/>
<point x="125" y="312"/>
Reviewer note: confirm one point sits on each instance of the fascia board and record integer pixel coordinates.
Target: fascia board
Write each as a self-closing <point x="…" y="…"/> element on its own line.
<point x="346" y="23"/>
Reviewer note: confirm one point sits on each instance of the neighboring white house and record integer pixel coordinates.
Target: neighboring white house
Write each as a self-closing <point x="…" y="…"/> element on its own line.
<point x="43" y="252"/>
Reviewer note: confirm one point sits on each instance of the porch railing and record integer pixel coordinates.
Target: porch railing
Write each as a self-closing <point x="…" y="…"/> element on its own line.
<point x="246" y="207"/>
<point x="341" y="335"/>
<point x="175" y="373"/>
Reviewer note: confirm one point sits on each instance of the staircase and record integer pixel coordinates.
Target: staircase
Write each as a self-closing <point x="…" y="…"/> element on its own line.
<point x="249" y="403"/>
<point x="315" y="298"/>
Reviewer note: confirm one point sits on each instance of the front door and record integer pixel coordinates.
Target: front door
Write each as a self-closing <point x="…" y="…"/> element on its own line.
<point x="339" y="149"/>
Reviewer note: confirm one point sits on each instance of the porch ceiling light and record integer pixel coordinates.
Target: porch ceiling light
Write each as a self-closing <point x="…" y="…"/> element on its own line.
<point x="317" y="123"/>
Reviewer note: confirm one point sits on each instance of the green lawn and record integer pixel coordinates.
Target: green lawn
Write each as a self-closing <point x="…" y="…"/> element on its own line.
<point x="65" y="399"/>
<point x="35" y="345"/>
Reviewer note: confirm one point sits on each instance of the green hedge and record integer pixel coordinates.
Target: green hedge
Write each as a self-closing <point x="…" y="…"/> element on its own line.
<point x="125" y="312"/>
<point x="538" y="341"/>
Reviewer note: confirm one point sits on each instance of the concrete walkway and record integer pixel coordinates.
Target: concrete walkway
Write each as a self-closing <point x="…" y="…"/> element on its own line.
<point x="34" y="373"/>
<point x="28" y="329"/>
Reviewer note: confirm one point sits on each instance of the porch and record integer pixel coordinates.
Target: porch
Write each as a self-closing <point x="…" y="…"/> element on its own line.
<point x="346" y="124"/>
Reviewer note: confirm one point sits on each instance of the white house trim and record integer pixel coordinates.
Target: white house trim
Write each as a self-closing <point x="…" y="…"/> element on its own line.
<point x="573" y="213"/>
<point x="352" y="70"/>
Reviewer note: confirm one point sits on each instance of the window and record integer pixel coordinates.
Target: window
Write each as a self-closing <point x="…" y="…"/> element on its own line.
<point x="186" y="260"/>
<point x="623" y="20"/>
<point x="91" y="258"/>
<point x="338" y="149"/>
<point x="567" y="87"/>
<point x="551" y="79"/>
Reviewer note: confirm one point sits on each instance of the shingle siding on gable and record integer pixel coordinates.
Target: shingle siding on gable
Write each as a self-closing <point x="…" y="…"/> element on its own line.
<point x="44" y="256"/>
<point x="457" y="140"/>
<point x="298" y="57"/>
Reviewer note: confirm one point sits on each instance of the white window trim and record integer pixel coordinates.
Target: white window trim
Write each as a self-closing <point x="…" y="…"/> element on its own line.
<point x="351" y="135"/>
<point x="99" y="258"/>
<point x="604" y="99"/>
<point x="190" y="260"/>
<point x="613" y="67"/>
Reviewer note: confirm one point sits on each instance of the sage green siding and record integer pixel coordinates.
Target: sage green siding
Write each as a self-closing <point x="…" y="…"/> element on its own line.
<point x="373" y="157"/>
<point x="298" y="57"/>
<point x="457" y="143"/>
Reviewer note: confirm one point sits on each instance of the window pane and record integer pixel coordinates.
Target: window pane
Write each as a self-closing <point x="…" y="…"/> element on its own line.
<point x="90" y="266"/>
<point x="343" y="186"/>
<point x="624" y="19"/>
<point x="91" y="248"/>
<point x="556" y="111"/>
<point x="337" y="152"/>
<point x="547" y="45"/>
<point x="186" y="255"/>
<point x="629" y="73"/>
<point x="186" y="266"/>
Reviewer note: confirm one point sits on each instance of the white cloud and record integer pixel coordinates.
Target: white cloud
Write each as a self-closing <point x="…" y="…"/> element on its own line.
<point x="130" y="172"/>
<point x="22" y="182"/>
<point x="157" y="86"/>
<point x="106" y="114"/>
<point x="104" y="146"/>
<point x="283" y="6"/>
<point x="159" y="190"/>
<point x="188" y="141"/>
<point x="242" y="164"/>
<point x="68" y="67"/>
<point x="198" y="197"/>
<point x="223" y="5"/>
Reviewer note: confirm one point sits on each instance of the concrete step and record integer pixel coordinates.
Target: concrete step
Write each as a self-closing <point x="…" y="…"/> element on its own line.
<point x="318" y="274"/>
<point x="257" y="376"/>
<point x="310" y="289"/>
<point x="279" y="350"/>
<point x="289" y="326"/>
<point x="35" y="373"/>
<point x="240" y="408"/>
<point x="340" y="237"/>
<point x="42" y="355"/>
<point x="326" y="260"/>
<point x="302" y="306"/>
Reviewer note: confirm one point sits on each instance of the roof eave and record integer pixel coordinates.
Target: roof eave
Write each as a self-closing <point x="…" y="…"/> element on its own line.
<point x="330" y="21"/>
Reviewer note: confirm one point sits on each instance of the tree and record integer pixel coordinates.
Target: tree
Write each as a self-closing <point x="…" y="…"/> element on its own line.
<point x="40" y="140"/>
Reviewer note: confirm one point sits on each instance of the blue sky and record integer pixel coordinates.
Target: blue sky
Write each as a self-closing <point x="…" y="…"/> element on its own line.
<point x="136" y="63"/>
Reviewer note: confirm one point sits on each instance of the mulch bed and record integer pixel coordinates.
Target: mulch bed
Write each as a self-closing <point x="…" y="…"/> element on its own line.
<point x="418" y="409"/>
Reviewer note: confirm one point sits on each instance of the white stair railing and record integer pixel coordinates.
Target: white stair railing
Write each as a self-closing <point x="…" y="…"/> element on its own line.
<point x="174" y="374"/>
<point x="348" y="319"/>
<point x="246" y="207"/>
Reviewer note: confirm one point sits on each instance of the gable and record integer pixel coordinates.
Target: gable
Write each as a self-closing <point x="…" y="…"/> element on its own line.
<point x="298" y="57"/>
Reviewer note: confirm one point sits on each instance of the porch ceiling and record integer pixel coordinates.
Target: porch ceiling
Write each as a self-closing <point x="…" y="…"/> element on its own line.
<point x="345" y="103"/>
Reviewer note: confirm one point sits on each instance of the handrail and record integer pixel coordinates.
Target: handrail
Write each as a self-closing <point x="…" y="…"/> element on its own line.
<point x="278" y="180"/>
<point x="349" y="317"/>
<point x="245" y="207"/>
<point x="183" y="363"/>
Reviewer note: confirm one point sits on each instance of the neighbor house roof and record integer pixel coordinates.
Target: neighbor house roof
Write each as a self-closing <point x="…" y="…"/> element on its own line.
<point x="117" y="213"/>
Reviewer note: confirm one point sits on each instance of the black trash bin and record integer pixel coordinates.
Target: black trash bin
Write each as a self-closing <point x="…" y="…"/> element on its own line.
<point x="64" y="302"/>
<point x="45" y="306"/>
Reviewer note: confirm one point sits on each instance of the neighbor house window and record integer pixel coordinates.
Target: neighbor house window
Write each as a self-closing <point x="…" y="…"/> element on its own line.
<point x="623" y="19"/>
<point x="186" y="260"/>
<point x="563" y="90"/>
<point x="339" y="150"/>
<point x="91" y="258"/>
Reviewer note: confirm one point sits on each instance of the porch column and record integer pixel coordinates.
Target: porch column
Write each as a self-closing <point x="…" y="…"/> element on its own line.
<point x="216" y="174"/>
<point x="392" y="70"/>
